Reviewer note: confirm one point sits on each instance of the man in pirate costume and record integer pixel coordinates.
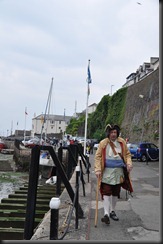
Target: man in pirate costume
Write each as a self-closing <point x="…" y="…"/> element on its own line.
<point x="111" y="157"/>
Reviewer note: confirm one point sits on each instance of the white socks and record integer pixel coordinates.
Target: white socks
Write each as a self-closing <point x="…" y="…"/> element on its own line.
<point x="113" y="203"/>
<point x="106" y="204"/>
<point x="109" y="204"/>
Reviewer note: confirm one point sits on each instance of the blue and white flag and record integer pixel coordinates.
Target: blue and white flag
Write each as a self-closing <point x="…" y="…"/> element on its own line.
<point x="89" y="80"/>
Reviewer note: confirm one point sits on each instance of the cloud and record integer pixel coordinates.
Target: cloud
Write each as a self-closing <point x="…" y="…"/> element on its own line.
<point x="56" y="38"/>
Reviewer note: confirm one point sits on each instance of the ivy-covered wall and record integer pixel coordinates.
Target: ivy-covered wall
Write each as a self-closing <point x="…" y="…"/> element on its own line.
<point x="137" y="116"/>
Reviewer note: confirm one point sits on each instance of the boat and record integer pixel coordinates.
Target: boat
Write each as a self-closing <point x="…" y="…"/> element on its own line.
<point x="21" y="146"/>
<point x="45" y="159"/>
<point x="7" y="151"/>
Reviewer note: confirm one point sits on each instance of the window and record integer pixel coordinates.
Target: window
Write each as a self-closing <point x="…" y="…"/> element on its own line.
<point x="153" y="146"/>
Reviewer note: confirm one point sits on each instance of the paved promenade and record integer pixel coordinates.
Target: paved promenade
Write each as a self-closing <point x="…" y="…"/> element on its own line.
<point x="139" y="216"/>
<point x="82" y="232"/>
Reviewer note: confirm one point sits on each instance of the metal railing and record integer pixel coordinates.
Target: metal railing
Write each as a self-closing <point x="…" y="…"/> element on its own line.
<point x="74" y="152"/>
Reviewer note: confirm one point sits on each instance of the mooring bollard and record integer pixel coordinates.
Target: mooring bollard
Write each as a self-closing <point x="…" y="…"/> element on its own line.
<point x="88" y="165"/>
<point x="77" y="194"/>
<point x="54" y="206"/>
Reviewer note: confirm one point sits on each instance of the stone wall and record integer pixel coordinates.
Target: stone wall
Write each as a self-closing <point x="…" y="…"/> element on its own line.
<point x="141" y="120"/>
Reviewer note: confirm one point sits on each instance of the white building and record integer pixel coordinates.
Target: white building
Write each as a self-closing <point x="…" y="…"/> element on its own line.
<point x="143" y="70"/>
<point x="91" y="108"/>
<point x="54" y="124"/>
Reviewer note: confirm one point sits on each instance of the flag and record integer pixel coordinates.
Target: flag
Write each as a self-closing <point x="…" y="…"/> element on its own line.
<point x="89" y="80"/>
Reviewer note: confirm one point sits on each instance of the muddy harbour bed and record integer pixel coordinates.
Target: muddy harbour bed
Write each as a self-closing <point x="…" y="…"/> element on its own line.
<point x="11" y="181"/>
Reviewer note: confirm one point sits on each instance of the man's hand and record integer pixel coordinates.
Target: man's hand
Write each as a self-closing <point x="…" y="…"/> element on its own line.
<point x="98" y="174"/>
<point x="129" y="168"/>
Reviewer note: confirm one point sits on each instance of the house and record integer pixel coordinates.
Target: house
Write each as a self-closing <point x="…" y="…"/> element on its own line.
<point x="143" y="70"/>
<point x="20" y="133"/>
<point x="91" y="108"/>
<point x="50" y="125"/>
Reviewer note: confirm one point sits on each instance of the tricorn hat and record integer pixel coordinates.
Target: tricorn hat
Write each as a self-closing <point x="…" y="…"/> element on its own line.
<point x="110" y="127"/>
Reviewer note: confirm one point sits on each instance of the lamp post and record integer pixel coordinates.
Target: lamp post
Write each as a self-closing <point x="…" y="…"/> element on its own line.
<point x="111" y="90"/>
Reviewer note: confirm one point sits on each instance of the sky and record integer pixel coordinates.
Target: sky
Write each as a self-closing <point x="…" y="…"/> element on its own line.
<point x="41" y="40"/>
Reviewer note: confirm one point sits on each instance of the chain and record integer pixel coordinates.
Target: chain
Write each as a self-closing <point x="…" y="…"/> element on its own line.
<point x="65" y="222"/>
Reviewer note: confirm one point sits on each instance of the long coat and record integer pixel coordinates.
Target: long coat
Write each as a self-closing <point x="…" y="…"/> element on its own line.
<point x="100" y="155"/>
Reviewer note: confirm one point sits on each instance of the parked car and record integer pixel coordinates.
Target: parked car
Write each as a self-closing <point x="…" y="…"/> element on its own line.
<point x="2" y="146"/>
<point x="147" y="151"/>
<point x="27" y="138"/>
<point x="32" y="142"/>
<point x="133" y="148"/>
<point x="144" y="151"/>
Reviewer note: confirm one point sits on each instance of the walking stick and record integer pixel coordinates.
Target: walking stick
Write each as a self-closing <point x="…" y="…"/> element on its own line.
<point x="96" y="211"/>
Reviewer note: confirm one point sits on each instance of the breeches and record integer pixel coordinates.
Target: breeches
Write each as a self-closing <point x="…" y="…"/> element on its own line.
<point x="109" y="190"/>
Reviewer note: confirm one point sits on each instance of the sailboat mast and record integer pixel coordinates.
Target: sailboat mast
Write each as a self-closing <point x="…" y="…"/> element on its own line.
<point x="47" y="107"/>
<point x="50" y="96"/>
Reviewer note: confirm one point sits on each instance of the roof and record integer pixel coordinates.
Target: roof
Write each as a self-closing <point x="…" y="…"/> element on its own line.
<point x="54" y="117"/>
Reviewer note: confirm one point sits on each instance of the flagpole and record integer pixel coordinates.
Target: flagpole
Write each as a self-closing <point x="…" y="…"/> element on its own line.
<point x="86" y="113"/>
<point x="25" y="124"/>
<point x="11" y="127"/>
<point x="86" y="118"/>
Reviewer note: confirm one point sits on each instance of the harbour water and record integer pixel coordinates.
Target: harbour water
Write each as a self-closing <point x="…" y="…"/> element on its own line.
<point x="10" y="180"/>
